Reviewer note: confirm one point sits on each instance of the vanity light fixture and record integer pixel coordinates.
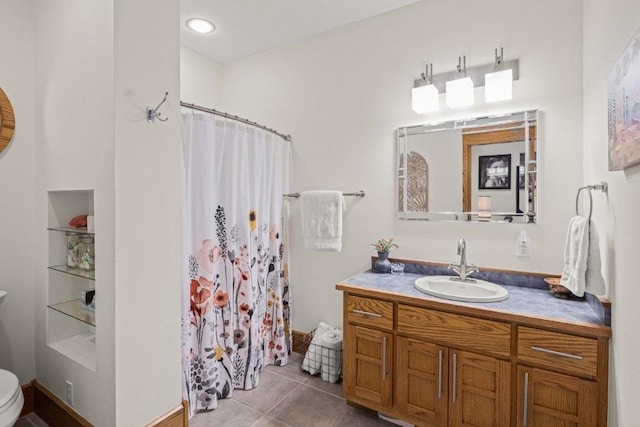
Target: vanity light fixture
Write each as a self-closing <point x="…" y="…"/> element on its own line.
<point x="460" y="90"/>
<point x="424" y="95"/>
<point x="200" y="25"/>
<point x="498" y="85"/>
<point x="459" y="85"/>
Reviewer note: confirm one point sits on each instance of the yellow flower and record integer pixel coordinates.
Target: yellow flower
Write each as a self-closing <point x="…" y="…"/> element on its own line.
<point x="252" y="220"/>
<point x="219" y="353"/>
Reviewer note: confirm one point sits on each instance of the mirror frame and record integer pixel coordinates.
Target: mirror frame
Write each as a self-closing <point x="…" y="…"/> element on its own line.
<point x="503" y="128"/>
<point x="7" y="121"/>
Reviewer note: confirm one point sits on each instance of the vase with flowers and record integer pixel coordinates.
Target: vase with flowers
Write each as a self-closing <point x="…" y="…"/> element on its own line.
<point x="383" y="246"/>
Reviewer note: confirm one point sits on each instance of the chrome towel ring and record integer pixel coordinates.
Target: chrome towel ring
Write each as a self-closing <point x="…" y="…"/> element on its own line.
<point x="603" y="186"/>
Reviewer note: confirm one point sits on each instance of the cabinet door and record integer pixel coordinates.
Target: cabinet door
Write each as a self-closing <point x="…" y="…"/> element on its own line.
<point x="368" y="366"/>
<point x="549" y="399"/>
<point x="480" y="390"/>
<point x="422" y="381"/>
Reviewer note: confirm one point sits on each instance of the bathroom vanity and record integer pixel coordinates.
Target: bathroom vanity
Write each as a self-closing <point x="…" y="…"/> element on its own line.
<point x="530" y="360"/>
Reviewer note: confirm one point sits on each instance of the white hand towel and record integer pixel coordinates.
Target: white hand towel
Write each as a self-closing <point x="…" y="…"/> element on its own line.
<point x="331" y="350"/>
<point x="576" y="252"/>
<point x="312" y="361"/>
<point x="322" y="220"/>
<point x="594" y="282"/>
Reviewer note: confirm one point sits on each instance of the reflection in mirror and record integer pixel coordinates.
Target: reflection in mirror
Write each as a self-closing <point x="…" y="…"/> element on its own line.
<point x="480" y="169"/>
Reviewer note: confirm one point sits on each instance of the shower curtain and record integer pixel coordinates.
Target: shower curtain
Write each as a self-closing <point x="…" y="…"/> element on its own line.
<point x="235" y="290"/>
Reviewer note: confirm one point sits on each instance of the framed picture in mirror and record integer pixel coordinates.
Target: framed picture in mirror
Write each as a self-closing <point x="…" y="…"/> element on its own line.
<point x="495" y="172"/>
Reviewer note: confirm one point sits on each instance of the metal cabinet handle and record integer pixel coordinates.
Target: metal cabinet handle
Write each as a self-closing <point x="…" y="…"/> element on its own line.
<point x="526" y="399"/>
<point x="366" y="313"/>
<point x="455" y="368"/>
<point x="384" y="358"/>
<point x="439" y="374"/>
<point x="556" y="353"/>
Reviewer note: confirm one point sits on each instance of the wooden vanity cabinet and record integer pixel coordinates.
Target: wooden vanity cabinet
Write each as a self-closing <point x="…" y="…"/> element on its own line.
<point x="432" y="367"/>
<point x="368" y="349"/>
<point x="566" y="398"/>
<point x="441" y="380"/>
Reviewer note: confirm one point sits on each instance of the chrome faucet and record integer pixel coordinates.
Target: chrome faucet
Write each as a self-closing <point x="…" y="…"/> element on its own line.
<point x="463" y="269"/>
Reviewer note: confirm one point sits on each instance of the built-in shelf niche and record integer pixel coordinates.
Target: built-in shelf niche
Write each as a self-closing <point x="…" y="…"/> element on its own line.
<point x="71" y="328"/>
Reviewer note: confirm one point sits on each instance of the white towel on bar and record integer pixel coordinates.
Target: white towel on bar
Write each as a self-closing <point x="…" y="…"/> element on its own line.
<point x="322" y="220"/>
<point x="582" y="254"/>
<point x="594" y="282"/>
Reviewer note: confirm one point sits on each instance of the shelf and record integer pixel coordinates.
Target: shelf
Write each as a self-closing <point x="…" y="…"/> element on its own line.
<point x="81" y="348"/>
<point x="74" y="309"/>
<point x="86" y="274"/>
<point x="76" y="230"/>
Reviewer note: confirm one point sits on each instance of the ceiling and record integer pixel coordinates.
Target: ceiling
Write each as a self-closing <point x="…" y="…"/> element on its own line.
<point x="246" y="27"/>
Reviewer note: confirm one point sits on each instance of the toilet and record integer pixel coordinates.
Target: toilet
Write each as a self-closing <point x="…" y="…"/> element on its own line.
<point x="11" y="398"/>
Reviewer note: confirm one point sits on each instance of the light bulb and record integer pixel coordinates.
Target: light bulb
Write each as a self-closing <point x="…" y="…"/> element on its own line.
<point x="498" y="86"/>
<point x="460" y="92"/>
<point x="425" y="99"/>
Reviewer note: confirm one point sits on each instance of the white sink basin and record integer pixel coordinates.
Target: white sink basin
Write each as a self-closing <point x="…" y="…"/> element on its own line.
<point x="444" y="287"/>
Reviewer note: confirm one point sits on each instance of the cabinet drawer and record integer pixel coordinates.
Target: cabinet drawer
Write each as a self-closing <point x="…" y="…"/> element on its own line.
<point x="455" y="329"/>
<point x="369" y="311"/>
<point x="568" y="353"/>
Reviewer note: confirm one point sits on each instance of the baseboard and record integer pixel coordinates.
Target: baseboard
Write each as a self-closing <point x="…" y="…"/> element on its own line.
<point x="54" y="411"/>
<point x="27" y="392"/>
<point x="301" y="341"/>
<point x="177" y="417"/>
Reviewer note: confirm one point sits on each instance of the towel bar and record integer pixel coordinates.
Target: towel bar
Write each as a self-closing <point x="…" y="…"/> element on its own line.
<point x="603" y="186"/>
<point x="356" y="194"/>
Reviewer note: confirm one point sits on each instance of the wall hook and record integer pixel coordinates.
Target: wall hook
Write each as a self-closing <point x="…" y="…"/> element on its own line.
<point x="153" y="113"/>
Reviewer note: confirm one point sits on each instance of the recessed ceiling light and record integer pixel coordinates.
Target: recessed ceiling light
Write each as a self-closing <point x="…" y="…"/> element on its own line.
<point x="200" y="25"/>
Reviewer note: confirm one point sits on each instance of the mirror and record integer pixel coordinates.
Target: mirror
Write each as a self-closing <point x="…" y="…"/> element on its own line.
<point x="479" y="169"/>
<point x="7" y="121"/>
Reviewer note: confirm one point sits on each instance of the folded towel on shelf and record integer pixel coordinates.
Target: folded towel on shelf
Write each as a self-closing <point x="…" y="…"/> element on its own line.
<point x="582" y="254"/>
<point x="331" y="352"/>
<point x="322" y="220"/>
<point x="312" y="361"/>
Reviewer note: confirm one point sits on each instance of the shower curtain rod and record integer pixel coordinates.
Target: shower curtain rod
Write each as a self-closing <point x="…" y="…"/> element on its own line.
<point x="236" y="118"/>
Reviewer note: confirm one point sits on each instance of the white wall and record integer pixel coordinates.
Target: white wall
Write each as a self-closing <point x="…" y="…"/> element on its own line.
<point x="17" y="257"/>
<point x="443" y="153"/>
<point x="615" y="214"/>
<point x="200" y="80"/>
<point x="99" y="64"/>
<point x="343" y="93"/>
<point x="147" y="212"/>
<point x="74" y="134"/>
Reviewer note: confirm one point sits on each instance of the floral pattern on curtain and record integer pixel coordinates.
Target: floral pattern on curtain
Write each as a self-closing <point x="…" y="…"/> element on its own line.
<point x="236" y="298"/>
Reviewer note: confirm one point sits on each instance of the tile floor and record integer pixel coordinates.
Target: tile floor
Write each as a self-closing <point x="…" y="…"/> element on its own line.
<point x="30" y="420"/>
<point x="288" y="396"/>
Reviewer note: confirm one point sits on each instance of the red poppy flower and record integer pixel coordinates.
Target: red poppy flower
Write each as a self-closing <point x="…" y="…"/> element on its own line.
<point x="199" y="298"/>
<point x="221" y="298"/>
